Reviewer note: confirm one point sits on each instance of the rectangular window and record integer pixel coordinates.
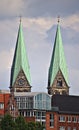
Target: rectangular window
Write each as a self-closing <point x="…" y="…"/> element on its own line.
<point x="1" y="105"/>
<point x="43" y="115"/>
<point x="78" y="119"/>
<point x="51" y="124"/>
<point x="51" y="120"/>
<point x="62" y="128"/>
<point x="74" y="119"/>
<point x="22" y="105"/>
<point x="62" y="118"/>
<point x="51" y="117"/>
<point x="69" y="128"/>
<point x="17" y="98"/>
<point x="69" y="119"/>
<point x="28" y="113"/>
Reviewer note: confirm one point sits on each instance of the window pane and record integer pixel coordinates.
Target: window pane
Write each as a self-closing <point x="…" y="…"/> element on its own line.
<point x="1" y="106"/>
<point x="62" y="118"/>
<point x="51" y="124"/>
<point x="74" y="128"/>
<point x="62" y="128"/>
<point x="51" y="116"/>
<point x="69" y="128"/>
<point x="51" y="120"/>
<point x="74" y="119"/>
<point x="69" y="118"/>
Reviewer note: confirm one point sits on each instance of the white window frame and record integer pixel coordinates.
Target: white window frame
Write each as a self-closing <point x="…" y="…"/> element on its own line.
<point x="74" y="119"/>
<point x="62" y="128"/>
<point x="62" y="118"/>
<point x="69" y="128"/>
<point x="1" y="105"/>
<point x="69" y="119"/>
<point x="52" y="120"/>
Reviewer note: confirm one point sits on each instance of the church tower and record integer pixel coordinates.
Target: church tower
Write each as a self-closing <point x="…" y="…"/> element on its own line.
<point x="58" y="74"/>
<point x="20" y="73"/>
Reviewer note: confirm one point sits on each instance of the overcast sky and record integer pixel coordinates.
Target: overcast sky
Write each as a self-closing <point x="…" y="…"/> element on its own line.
<point x="39" y="21"/>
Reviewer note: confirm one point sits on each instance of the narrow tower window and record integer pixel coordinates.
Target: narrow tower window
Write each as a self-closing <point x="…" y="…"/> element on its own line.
<point x="59" y="83"/>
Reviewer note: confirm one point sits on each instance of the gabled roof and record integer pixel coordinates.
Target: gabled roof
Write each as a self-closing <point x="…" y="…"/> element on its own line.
<point x="20" y="61"/>
<point x="58" y="59"/>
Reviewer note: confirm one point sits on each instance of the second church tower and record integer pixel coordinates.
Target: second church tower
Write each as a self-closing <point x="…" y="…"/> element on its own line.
<point x="58" y="73"/>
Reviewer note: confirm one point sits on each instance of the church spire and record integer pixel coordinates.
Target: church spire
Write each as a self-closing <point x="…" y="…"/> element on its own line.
<point x="58" y="64"/>
<point x="20" y="66"/>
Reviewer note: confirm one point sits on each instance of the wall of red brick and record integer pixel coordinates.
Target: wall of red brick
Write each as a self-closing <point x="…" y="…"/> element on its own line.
<point x="48" y="121"/>
<point x="57" y="123"/>
<point x="30" y="119"/>
<point x="71" y="124"/>
<point x="4" y="98"/>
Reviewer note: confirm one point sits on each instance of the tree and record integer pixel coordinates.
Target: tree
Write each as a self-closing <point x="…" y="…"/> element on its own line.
<point x="31" y="126"/>
<point x="7" y="123"/>
<point x="35" y="126"/>
<point x="20" y="123"/>
<point x="39" y="126"/>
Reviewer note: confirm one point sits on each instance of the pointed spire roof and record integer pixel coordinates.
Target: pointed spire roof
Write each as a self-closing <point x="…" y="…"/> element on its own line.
<point x="20" y="61"/>
<point x="58" y="61"/>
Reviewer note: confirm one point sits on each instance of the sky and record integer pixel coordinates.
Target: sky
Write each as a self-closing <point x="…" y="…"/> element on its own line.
<point x="39" y="21"/>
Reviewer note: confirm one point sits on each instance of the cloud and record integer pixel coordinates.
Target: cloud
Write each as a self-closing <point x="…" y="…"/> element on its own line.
<point x="45" y="23"/>
<point x="71" y="53"/>
<point x="71" y="22"/>
<point x="6" y="57"/>
<point x="74" y="78"/>
<point x="11" y="8"/>
<point x="39" y="8"/>
<point x="39" y="44"/>
<point x="39" y="49"/>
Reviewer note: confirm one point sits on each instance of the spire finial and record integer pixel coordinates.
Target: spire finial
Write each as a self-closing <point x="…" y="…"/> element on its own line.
<point x="20" y="18"/>
<point x="58" y="18"/>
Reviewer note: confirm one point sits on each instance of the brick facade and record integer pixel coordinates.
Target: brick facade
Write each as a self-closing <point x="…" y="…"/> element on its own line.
<point x="48" y="127"/>
<point x="62" y="121"/>
<point x="4" y="98"/>
<point x="7" y="101"/>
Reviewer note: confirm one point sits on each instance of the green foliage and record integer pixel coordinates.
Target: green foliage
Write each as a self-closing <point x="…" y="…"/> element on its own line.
<point x="35" y="126"/>
<point x="20" y="123"/>
<point x="8" y="123"/>
<point x="31" y="126"/>
<point x="39" y="126"/>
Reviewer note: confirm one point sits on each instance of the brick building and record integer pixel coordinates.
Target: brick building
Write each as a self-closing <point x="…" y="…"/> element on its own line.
<point x="29" y="103"/>
<point x="12" y="107"/>
<point x="8" y="104"/>
<point x="64" y="114"/>
<point x="55" y="110"/>
<point x="4" y="98"/>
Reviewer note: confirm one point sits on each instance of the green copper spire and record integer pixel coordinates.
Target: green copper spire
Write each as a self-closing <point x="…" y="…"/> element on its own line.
<point x="20" y="61"/>
<point x="58" y="59"/>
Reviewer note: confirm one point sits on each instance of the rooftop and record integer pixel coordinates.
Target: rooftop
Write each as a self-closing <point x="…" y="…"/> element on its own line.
<point x="29" y="93"/>
<point x="66" y="103"/>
